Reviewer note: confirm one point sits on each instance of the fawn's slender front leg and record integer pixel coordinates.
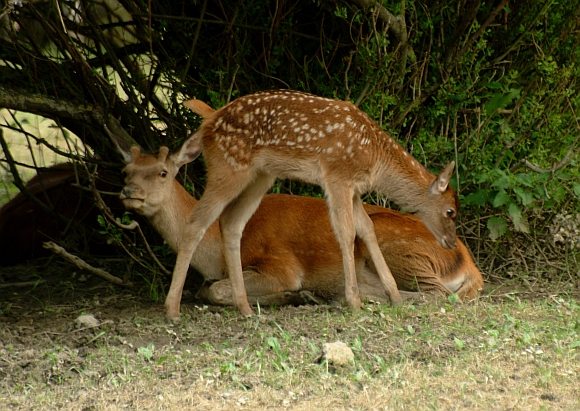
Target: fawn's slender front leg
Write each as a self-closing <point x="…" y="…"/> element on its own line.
<point x="197" y="223"/>
<point x="219" y="193"/>
<point x="365" y="229"/>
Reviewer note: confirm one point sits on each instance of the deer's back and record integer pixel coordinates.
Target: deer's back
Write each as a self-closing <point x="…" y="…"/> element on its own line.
<point x="268" y="128"/>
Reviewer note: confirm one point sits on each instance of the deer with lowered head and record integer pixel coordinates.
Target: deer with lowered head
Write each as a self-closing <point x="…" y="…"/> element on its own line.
<point x="288" y="245"/>
<point x="251" y="141"/>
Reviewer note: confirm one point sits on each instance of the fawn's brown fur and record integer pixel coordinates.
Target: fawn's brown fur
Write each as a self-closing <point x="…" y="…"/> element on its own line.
<point x="253" y="140"/>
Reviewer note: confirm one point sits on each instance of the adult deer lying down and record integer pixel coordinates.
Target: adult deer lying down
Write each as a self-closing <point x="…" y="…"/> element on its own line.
<point x="256" y="138"/>
<point x="288" y="244"/>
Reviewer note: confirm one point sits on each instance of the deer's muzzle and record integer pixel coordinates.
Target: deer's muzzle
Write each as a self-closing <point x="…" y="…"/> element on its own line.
<point x="448" y="242"/>
<point x="129" y="193"/>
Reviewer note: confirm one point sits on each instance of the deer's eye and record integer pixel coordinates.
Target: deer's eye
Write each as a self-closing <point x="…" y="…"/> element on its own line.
<point x="451" y="213"/>
<point x="163" y="174"/>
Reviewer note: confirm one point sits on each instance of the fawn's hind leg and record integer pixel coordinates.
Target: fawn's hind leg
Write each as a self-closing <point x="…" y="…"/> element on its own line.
<point x="340" y="205"/>
<point x="232" y="223"/>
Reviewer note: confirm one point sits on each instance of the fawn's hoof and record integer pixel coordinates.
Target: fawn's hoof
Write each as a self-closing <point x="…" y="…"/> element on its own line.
<point x="246" y="311"/>
<point x="172" y="315"/>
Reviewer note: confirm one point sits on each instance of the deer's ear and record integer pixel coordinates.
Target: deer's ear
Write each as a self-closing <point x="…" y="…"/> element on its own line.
<point x="189" y="151"/>
<point x="442" y="181"/>
<point x="123" y="147"/>
<point x="126" y="154"/>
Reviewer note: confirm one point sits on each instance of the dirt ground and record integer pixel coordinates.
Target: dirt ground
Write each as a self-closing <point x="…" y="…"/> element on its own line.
<point x="406" y="358"/>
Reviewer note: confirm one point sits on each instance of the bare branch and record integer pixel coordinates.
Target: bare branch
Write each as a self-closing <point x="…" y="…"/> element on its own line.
<point x="565" y="160"/>
<point x="224" y="23"/>
<point x="22" y="284"/>
<point x="570" y="154"/>
<point x="396" y="24"/>
<point x="449" y="65"/>
<point x="17" y="180"/>
<point x="45" y="106"/>
<point x="83" y="265"/>
<point x="50" y="107"/>
<point x="193" y="43"/>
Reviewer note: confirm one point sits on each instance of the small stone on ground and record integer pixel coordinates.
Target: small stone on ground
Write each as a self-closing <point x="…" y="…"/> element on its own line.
<point x="337" y="353"/>
<point x="87" y="320"/>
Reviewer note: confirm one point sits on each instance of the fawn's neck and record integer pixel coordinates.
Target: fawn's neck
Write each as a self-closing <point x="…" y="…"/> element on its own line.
<point x="401" y="177"/>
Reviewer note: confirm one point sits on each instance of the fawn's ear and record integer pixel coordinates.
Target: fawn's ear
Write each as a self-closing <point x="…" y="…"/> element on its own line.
<point x="199" y="108"/>
<point x="442" y="181"/>
<point x="189" y="151"/>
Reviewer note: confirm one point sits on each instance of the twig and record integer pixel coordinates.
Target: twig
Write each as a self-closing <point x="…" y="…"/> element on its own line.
<point x="225" y="23"/>
<point x="57" y="4"/>
<point x="232" y="83"/>
<point x="17" y="179"/>
<point x="554" y="168"/>
<point x="346" y="86"/>
<point x="73" y="259"/>
<point x="83" y="188"/>
<point x="523" y="258"/>
<point x="22" y="284"/>
<point x="194" y="42"/>
<point x="365" y="89"/>
<point x="570" y="154"/>
<point x="33" y="157"/>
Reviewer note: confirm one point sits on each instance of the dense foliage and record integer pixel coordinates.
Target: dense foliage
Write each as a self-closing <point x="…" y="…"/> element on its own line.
<point x="489" y="84"/>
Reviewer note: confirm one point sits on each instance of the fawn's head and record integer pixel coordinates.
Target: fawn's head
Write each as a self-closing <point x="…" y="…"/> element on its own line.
<point x="440" y="212"/>
<point x="149" y="179"/>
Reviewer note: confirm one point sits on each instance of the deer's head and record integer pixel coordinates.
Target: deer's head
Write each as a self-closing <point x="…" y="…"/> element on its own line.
<point x="149" y="179"/>
<point x="440" y="214"/>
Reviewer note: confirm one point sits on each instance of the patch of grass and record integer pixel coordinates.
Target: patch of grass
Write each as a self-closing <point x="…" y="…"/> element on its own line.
<point x="493" y="353"/>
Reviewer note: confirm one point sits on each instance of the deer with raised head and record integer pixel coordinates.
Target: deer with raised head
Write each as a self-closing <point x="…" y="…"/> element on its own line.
<point x="253" y="140"/>
<point x="288" y="244"/>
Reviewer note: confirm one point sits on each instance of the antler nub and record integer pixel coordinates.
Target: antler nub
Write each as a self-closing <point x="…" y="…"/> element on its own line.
<point x="163" y="151"/>
<point x="135" y="152"/>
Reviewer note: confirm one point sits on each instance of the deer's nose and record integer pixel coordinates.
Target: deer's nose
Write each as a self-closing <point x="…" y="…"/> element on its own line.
<point x="128" y="192"/>
<point x="449" y="242"/>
